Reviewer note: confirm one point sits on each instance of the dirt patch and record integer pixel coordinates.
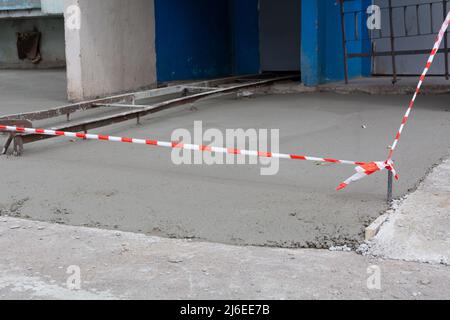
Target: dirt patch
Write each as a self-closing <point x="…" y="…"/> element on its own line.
<point x="14" y="209"/>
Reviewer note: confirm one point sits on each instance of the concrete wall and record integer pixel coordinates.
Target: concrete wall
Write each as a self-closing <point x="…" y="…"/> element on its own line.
<point x="410" y="64"/>
<point x="114" y="49"/>
<point x="52" y="42"/>
<point x="52" y="6"/>
<point x="46" y="6"/>
<point x="19" y="4"/>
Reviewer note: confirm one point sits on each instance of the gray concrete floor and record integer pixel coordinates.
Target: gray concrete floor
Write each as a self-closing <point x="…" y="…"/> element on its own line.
<point x="117" y="265"/>
<point x="28" y="90"/>
<point x="383" y="85"/>
<point x="134" y="188"/>
<point x="418" y="228"/>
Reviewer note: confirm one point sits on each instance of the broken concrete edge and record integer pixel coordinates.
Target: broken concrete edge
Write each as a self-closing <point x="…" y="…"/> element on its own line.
<point x="373" y="230"/>
<point x="375" y="227"/>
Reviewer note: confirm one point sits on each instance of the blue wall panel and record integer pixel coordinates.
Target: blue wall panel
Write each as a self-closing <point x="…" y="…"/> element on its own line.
<point x="331" y="46"/>
<point x="193" y="39"/>
<point x="358" y="66"/>
<point x="244" y="17"/>
<point x="322" y="50"/>
<point x="312" y="20"/>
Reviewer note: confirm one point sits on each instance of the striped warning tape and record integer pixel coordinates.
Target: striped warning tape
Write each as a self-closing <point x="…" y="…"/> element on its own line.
<point x="371" y="168"/>
<point x="176" y="145"/>
<point x="367" y="170"/>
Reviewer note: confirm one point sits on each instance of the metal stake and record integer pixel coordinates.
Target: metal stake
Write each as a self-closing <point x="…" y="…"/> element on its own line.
<point x="444" y="5"/>
<point x="390" y="187"/>
<point x="344" y="42"/>
<point x="391" y="22"/>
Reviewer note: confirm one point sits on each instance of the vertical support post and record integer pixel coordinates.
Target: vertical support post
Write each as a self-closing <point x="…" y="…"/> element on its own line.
<point x="444" y="9"/>
<point x="405" y="22"/>
<point x="390" y="186"/>
<point x="18" y="145"/>
<point x="391" y="26"/>
<point x="8" y="142"/>
<point x="138" y="117"/>
<point x="344" y="41"/>
<point x="418" y="19"/>
<point x="431" y="17"/>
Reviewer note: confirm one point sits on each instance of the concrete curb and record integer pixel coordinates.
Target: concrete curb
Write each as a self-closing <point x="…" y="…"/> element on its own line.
<point x="373" y="230"/>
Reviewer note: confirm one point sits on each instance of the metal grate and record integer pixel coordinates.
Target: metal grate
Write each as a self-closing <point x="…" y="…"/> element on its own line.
<point x="406" y="14"/>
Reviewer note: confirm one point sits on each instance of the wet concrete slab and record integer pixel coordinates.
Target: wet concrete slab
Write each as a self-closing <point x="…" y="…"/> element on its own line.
<point x="139" y="189"/>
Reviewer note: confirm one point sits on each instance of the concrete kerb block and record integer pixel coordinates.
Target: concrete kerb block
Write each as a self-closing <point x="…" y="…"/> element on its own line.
<point x="375" y="227"/>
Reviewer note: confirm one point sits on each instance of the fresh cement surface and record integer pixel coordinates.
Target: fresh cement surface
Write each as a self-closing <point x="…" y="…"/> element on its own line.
<point x="36" y="259"/>
<point x="26" y="90"/>
<point x="383" y="85"/>
<point x="139" y="189"/>
<point x="418" y="228"/>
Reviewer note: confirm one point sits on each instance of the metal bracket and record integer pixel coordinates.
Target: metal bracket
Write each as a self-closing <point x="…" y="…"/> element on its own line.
<point x="18" y="145"/>
<point x="8" y="143"/>
<point x="14" y="137"/>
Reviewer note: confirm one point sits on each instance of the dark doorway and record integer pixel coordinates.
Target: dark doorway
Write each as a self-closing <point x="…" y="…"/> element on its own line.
<point x="280" y="35"/>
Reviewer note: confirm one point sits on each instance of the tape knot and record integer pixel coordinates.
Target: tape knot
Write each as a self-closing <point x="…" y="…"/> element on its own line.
<point x="369" y="169"/>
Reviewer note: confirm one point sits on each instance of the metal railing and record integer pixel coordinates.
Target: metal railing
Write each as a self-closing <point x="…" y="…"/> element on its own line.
<point x="419" y="12"/>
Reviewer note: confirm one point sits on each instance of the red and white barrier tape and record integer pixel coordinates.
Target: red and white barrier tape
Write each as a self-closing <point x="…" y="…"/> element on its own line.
<point x="371" y="168"/>
<point x="176" y="145"/>
<point x="367" y="170"/>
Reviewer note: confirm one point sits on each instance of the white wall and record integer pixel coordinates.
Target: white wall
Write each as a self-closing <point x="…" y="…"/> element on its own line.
<point x="410" y="64"/>
<point x="52" y="6"/>
<point x="113" y="51"/>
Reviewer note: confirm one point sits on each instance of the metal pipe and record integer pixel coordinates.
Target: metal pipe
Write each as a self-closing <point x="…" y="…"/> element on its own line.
<point x="344" y="41"/>
<point x="391" y="22"/>
<point x="444" y="10"/>
<point x="418" y="20"/>
<point x="390" y="187"/>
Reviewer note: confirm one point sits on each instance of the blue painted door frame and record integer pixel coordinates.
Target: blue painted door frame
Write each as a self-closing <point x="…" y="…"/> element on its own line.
<point x="322" y="49"/>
